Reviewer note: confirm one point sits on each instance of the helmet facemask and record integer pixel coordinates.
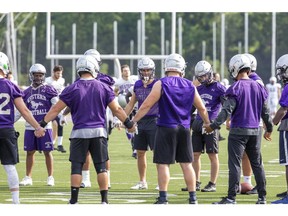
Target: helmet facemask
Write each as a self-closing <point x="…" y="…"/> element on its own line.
<point x="146" y="74"/>
<point x="282" y="74"/>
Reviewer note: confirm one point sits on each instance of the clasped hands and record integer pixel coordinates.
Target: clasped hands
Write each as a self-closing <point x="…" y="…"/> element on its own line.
<point x="206" y="129"/>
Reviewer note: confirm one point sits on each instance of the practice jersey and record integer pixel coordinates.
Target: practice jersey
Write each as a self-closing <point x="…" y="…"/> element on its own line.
<point x="284" y="100"/>
<point x="75" y="97"/>
<point x="141" y="94"/>
<point x="8" y="93"/>
<point x="39" y="101"/>
<point x="250" y="97"/>
<point x="273" y="91"/>
<point x="211" y="97"/>
<point x="59" y="84"/>
<point x="176" y="101"/>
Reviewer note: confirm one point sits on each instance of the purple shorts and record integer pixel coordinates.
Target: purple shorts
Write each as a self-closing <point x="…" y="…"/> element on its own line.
<point x="32" y="143"/>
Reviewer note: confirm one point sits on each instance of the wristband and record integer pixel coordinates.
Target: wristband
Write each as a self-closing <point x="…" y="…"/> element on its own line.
<point x="128" y="123"/>
<point x="42" y="123"/>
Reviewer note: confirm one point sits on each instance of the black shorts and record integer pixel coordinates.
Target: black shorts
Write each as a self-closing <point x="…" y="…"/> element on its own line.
<point x="145" y="138"/>
<point x="209" y="141"/>
<point x="9" y="146"/>
<point x="173" y="144"/>
<point x="96" y="146"/>
<point x="200" y="141"/>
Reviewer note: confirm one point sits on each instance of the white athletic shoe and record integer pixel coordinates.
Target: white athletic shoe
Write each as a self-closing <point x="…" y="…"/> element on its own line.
<point x="140" y="186"/>
<point x="50" y="181"/>
<point x="157" y="187"/>
<point x="26" y="181"/>
<point x="85" y="184"/>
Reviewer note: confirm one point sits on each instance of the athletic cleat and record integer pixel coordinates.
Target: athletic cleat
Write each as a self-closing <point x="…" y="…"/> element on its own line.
<point x="261" y="200"/>
<point x="26" y="181"/>
<point x="165" y="202"/>
<point x="193" y="201"/>
<point x="225" y="200"/>
<point x="210" y="187"/>
<point x="85" y="184"/>
<point x="61" y="149"/>
<point x="198" y="186"/>
<point x="282" y="194"/>
<point x="253" y="191"/>
<point x="50" y="181"/>
<point x="284" y="200"/>
<point x="140" y="186"/>
<point x="104" y="203"/>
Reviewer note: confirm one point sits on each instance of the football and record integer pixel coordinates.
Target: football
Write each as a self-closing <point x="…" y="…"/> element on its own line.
<point x="245" y="187"/>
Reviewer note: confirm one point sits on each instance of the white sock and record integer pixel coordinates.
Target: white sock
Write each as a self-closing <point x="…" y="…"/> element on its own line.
<point x="15" y="197"/>
<point x="60" y="140"/>
<point x="85" y="175"/>
<point x="247" y="179"/>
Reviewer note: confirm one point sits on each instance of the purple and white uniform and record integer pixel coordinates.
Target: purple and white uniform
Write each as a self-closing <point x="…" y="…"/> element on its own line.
<point x="92" y="125"/>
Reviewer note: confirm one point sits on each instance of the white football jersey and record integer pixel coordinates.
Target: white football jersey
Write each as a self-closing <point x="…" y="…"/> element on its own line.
<point x="59" y="84"/>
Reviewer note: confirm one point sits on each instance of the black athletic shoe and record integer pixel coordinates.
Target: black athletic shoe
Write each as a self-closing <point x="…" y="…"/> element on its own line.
<point x="253" y="191"/>
<point x="282" y="194"/>
<point x="198" y="186"/>
<point x="161" y="202"/>
<point x="61" y="149"/>
<point x="193" y="202"/>
<point x="210" y="187"/>
<point x="261" y="200"/>
<point x="225" y="200"/>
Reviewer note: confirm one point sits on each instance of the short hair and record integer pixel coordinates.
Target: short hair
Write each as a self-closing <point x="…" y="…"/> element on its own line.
<point x="58" y="68"/>
<point x="124" y="66"/>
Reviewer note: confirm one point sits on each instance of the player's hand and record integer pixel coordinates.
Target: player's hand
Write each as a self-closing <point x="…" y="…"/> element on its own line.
<point x="267" y="136"/>
<point x="62" y="120"/>
<point x="207" y="129"/>
<point x="39" y="132"/>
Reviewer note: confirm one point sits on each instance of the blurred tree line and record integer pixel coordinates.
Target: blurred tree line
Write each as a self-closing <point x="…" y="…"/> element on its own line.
<point x="196" y="28"/>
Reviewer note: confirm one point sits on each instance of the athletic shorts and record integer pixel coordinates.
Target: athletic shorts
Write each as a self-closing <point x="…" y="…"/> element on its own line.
<point x="200" y="141"/>
<point x="9" y="146"/>
<point x="283" y="147"/>
<point x="208" y="142"/>
<point x="172" y="144"/>
<point x="96" y="146"/>
<point x="145" y="138"/>
<point x="31" y="142"/>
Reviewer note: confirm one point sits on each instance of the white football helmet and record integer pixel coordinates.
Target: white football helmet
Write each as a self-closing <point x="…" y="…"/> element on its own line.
<point x="4" y="63"/>
<point x="95" y="54"/>
<point x="37" y="68"/>
<point x="237" y="63"/>
<point x="146" y="63"/>
<point x="122" y="100"/>
<point x="253" y="61"/>
<point x="204" y="72"/>
<point x="89" y="64"/>
<point x="273" y="79"/>
<point x="175" y="62"/>
<point x="281" y="69"/>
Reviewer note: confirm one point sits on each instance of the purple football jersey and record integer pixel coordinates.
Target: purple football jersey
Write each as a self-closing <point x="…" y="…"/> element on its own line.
<point x="88" y="112"/>
<point x="141" y="94"/>
<point x="284" y="100"/>
<point x="176" y="102"/>
<point x="211" y="97"/>
<point x="38" y="100"/>
<point x="8" y="92"/>
<point x="249" y="96"/>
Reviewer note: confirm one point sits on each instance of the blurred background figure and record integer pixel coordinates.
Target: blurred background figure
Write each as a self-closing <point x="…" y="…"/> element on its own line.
<point x="274" y="94"/>
<point x="58" y="82"/>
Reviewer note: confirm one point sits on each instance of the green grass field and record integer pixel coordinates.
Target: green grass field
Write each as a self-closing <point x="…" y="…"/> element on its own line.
<point x="124" y="174"/>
